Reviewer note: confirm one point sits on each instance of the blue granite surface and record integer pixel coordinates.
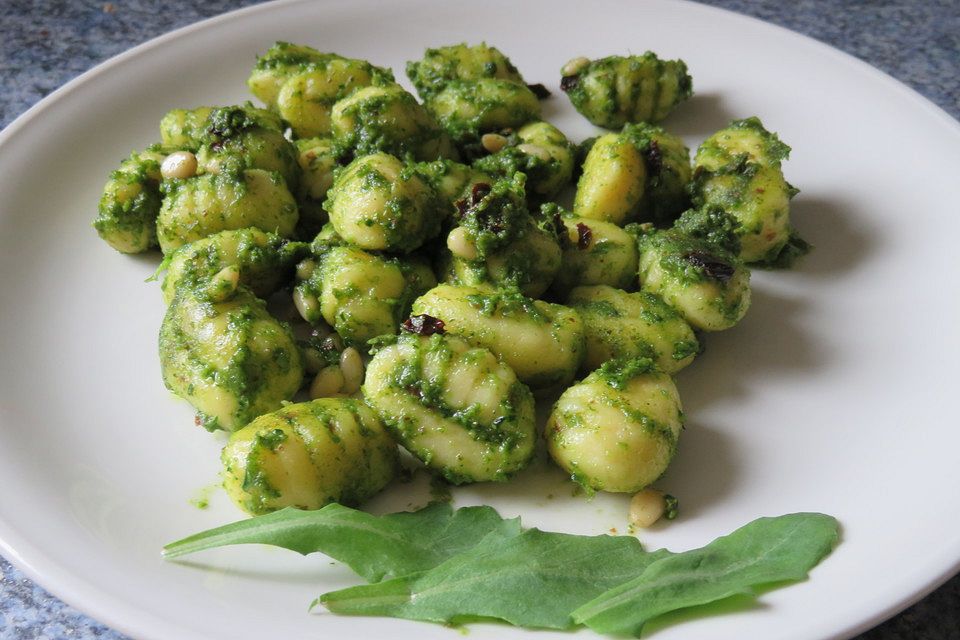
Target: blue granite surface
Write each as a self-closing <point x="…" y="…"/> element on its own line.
<point x="43" y="44"/>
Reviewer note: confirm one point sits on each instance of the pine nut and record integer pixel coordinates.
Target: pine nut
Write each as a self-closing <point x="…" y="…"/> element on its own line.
<point x="461" y="245"/>
<point x="646" y="507"/>
<point x="306" y="304"/>
<point x="179" y="165"/>
<point x="535" y="150"/>
<point x="327" y="383"/>
<point x="575" y="66"/>
<point x="305" y="269"/>
<point x="493" y="142"/>
<point x="351" y="365"/>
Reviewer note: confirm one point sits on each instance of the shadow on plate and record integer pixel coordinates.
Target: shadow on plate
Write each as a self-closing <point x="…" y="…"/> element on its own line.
<point x="727" y="606"/>
<point x="701" y="116"/>
<point x="769" y="342"/>
<point x="705" y="470"/>
<point x="839" y="245"/>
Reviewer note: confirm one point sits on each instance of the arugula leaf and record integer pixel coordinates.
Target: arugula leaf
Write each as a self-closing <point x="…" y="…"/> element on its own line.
<point x="373" y="546"/>
<point x="470" y="564"/>
<point x="534" y="579"/>
<point x="766" y="550"/>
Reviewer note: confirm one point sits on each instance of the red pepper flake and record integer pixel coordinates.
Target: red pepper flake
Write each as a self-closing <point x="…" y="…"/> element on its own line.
<point x="423" y="325"/>
<point x="584" y="236"/>
<point x="197" y="421"/>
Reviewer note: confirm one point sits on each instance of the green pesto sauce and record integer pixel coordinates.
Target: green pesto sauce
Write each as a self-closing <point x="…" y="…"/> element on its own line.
<point x="374" y="133"/>
<point x="500" y="217"/>
<point x="674" y="247"/>
<point x="507" y="302"/>
<point x="618" y="373"/>
<point x="713" y="225"/>
<point x="442" y="65"/>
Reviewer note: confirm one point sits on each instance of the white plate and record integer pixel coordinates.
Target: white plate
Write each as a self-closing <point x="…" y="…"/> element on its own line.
<point x="832" y="395"/>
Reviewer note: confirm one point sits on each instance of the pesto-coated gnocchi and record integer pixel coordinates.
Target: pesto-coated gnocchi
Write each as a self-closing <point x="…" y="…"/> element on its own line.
<point x="612" y="91"/>
<point x="746" y="138"/>
<point x="233" y="138"/>
<point x="617" y="430"/>
<point x="466" y="109"/>
<point x="596" y="252"/>
<point x="540" y="341"/>
<point x="279" y="63"/>
<point x="221" y="351"/>
<point x="232" y="199"/>
<point x="443" y="65"/>
<point x="339" y="206"/>
<point x="382" y="204"/>
<point x="264" y="261"/>
<point x="317" y="159"/>
<point x="613" y="180"/>
<point x="498" y="242"/>
<point x="703" y="281"/>
<point x="130" y="203"/>
<point x="738" y="169"/>
<point x="540" y="151"/>
<point x="668" y="173"/>
<point x="390" y="120"/>
<point x="188" y="128"/>
<point x="307" y="455"/>
<point x="361" y="295"/>
<point x="302" y="84"/>
<point x="620" y="325"/>
<point x="640" y="174"/>
<point x="455" y="407"/>
<point x="451" y="179"/>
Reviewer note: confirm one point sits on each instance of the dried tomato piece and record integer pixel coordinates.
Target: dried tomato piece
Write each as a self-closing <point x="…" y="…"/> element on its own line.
<point x="584" y="236"/>
<point x="713" y="267"/>
<point x="423" y="325"/>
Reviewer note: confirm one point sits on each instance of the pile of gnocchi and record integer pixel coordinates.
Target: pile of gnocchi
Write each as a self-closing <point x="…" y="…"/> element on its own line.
<point x="405" y="265"/>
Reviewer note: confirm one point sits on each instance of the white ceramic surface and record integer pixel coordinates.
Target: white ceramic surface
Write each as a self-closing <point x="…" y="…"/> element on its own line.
<point x="832" y="395"/>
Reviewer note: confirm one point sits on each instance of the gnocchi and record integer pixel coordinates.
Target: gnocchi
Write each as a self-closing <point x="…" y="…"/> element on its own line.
<point x="300" y="236"/>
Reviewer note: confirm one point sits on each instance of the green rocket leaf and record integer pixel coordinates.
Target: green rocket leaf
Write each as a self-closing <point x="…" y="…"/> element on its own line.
<point x="373" y="546"/>
<point x="534" y="579"/>
<point x="766" y="550"/>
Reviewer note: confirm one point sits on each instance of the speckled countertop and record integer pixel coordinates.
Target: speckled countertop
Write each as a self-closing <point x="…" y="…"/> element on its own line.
<point x="45" y="43"/>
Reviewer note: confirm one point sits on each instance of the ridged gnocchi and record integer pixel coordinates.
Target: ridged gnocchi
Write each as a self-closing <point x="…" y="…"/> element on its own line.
<point x="307" y="455"/>
<point x="617" y="430"/>
<point x="457" y="408"/>
<point x="360" y="294"/>
<point x="221" y="351"/>
<point x="612" y="91"/>
<point x="540" y="341"/>
<point x="380" y="203"/>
